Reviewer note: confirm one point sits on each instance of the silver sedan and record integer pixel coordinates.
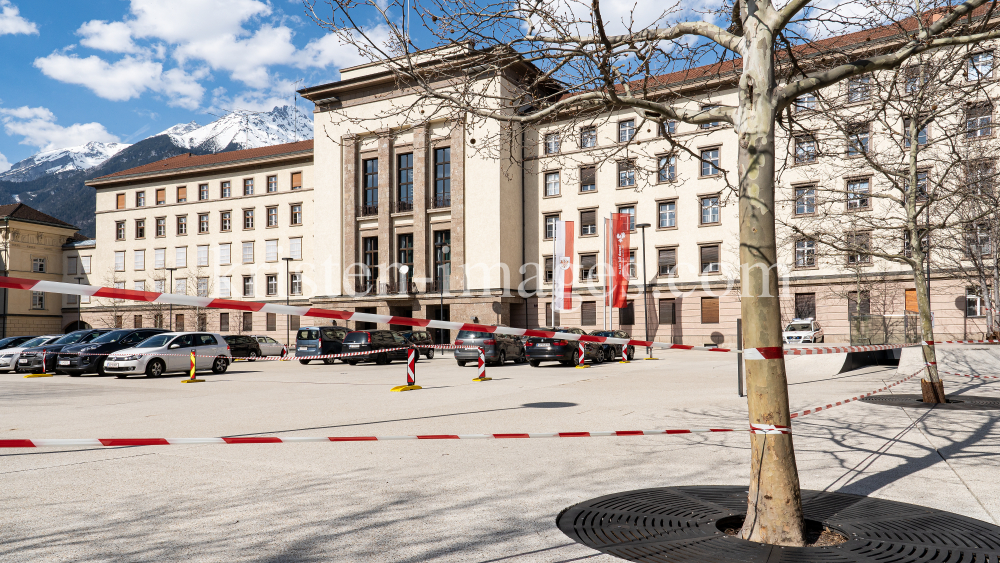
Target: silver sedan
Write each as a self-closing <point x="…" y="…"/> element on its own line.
<point x="269" y="346"/>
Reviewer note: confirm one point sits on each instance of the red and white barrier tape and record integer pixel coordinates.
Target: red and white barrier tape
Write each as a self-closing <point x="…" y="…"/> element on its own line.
<point x="968" y="375"/>
<point x="769" y="429"/>
<point x="928" y="342"/>
<point x="857" y="398"/>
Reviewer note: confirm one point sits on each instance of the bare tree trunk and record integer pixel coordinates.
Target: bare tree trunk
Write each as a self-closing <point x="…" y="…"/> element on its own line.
<point x="931" y="385"/>
<point x="774" y="512"/>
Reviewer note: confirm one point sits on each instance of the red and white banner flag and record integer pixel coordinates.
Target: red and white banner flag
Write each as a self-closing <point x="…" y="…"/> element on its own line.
<point x="620" y="262"/>
<point x="562" y="267"/>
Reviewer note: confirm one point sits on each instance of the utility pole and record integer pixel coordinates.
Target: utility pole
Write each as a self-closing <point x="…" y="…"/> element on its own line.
<point x="170" y="289"/>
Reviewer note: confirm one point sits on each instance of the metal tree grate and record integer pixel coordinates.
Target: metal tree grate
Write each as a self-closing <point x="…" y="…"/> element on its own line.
<point x="956" y="402"/>
<point x="680" y="524"/>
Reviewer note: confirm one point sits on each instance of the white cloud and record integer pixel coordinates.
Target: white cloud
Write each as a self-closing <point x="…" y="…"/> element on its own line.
<point x="182" y="21"/>
<point x="39" y="128"/>
<point x="4" y="163"/>
<point x="245" y="59"/>
<point x="125" y="79"/>
<point x="115" y="37"/>
<point x="11" y="21"/>
<point x="331" y="50"/>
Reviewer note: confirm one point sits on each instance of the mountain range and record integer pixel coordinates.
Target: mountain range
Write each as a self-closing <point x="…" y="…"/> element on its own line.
<point x="54" y="181"/>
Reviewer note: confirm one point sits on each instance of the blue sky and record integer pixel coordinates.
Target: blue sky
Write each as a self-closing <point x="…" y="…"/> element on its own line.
<point x="121" y="70"/>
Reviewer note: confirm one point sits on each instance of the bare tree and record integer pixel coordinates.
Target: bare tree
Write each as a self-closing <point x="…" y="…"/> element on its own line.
<point x="499" y="68"/>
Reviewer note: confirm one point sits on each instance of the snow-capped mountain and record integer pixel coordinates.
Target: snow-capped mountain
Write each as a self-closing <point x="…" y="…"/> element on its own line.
<point x="62" y="160"/>
<point x="245" y="130"/>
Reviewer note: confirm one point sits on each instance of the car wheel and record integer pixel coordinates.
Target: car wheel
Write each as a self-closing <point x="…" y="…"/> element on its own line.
<point x="74" y="374"/>
<point x="631" y="353"/>
<point x="220" y="365"/>
<point x="252" y="356"/>
<point x="155" y="368"/>
<point x="502" y="359"/>
<point x="352" y="362"/>
<point x="534" y="363"/>
<point x="461" y="363"/>
<point x="567" y="362"/>
<point x="430" y="354"/>
<point x="121" y="376"/>
<point x="600" y="356"/>
<point x="381" y="359"/>
<point x="329" y="361"/>
<point x="304" y="362"/>
<point x="100" y="369"/>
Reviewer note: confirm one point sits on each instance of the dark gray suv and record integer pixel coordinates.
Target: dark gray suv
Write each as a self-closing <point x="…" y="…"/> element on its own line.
<point x="498" y="348"/>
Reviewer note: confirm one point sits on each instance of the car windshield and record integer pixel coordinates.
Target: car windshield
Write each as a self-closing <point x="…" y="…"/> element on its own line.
<point x="356" y="337"/>
<point x="72" y="338"/>
<point x="157" y="341"/>
<point x="334" y="334"/>
<point x="308" y="334"/>
<point x="36" y="341"/>
<point x="798" y="327"/>
<point x="472" y="334"/>
<point x="113" y="336"/>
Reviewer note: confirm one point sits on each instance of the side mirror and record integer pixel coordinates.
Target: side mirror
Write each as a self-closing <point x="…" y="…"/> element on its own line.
<point x="172" y="346"/>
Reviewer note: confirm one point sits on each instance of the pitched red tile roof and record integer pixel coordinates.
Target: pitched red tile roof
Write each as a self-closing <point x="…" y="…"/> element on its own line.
<point x="22" y="211"/>
<point x="192" y="161"/>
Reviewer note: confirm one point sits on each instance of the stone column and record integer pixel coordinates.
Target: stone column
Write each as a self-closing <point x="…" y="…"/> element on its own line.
<point x="458" y="205"/>
<point x="385" y="183"/>
<point x="421" y="264"/>
<point x="350" y="192"/>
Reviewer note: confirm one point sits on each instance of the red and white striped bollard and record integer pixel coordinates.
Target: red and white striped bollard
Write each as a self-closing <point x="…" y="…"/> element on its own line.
<point x="581" y="356"/>
<point x="411" y="372"/>
<point x="482" y="367"/>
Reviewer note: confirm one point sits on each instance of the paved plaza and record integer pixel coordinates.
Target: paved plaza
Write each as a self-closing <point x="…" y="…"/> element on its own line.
<point x="448" y="500"/>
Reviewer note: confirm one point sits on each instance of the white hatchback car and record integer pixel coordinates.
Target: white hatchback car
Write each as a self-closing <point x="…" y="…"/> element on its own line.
<point x="802" y="330"/>
<point x="170" y="352"/>
<point x="9" y="356"/>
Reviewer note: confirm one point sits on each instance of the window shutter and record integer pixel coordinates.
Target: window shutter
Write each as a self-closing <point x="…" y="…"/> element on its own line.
<point x="626" y="316"/>
<point x="161" y="195"/>
<point x="709" y="310"/>
<point x="296" y="180"/>
<point x="588" y="217"/>
<point x="121" y="202"/>
<point x="588" y="260"/>
<point x="588" y="313"/>
<point x="805" y="305"/>
<point x="709" y="254"/>
<point x="667" y="261"/>
<point x="911" y="301"/>
<point x="588" y="175"/>
<point x="668" y="314"/>
<point x="182" y="193"/>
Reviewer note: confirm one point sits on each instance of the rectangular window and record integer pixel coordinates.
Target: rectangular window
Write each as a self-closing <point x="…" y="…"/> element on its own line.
<point x="666" y="168"/>
<point x="805" y="305"/>
<point x="226" y="221"/>
<point x="921" y="135"/>
<point x="270" y="250"/>
<point x="855" y="308"/>
<point x="404" y="182"/>
<point x="626" y="315"/>
<point x="247" y="321"/>
<point x="588" y="137"/>
<point x="247" y="286"/>
<point x="225" y="256"/>
<point x="297" y="214"/>
<point x="182" y="194"/>
<point x="202" y="253"/>
<point x="668" y="128"/>
<point x="858" y="194"/>
<point x="295" y="248"/>
<point x="225" y="189"/>
<point x="120" y="201"/>
<point x="666" y="262"/>
<point x="296" y="180"/>
<point x="709" y="210"/>
<point x="709" y="310"/>
<point x="857" y="139"/>
<point x="202" y="287"/>
<point x="296" y="280"/>
<point x="980" y="66"/>
<point x="140" y="228"/>
<point x="181" y="286"/>
<point x="668" y="311"/>
<point x="404" y="257"/>
<point x="442" y="257"/>
<point x="272" y="321"/>
<point x="181" y="257"/>
<point x="710" y="162"/>
<point x="630" y="211"/>
<point x="859" y="89"/>
<point x="370" y="187"/>
<point x="182" y="225"/>
<point x="974" y="306"/>
<point x="805" y="149"/>
<point x="248" y="186"/>
<point x="248" y="252"/>
<point x="442" y="177"/>
<point x="225" y="289"/>
<point x="709" y="259"/>
<point x="548" y="270"/>
<point x="272" y="284"/>
<point x="272" y="216"/>
<point x="805" y="200"/>
<point x="159" y="286"/>
<point x="137" y="321"/>
<point x="202" y="192"/>
<point x="551" y="183"/>
<point x="247" y="219"/>
<point x="626" y="130"/>
<point x="37" y="300"/>
<point x="120" y="261"/>
<point x="272" y="184"/>
<point x="179" y="322"/>
<point x="632" y="271"/>
<point x="71" y="265"/>
<point x="202" y="322"/>
<point x="161" y="226"/>
<point x="588" y="267"/>
<point x="85" y="264"/>
<point x="978" y="121"/>
<point x="224" y="322"/>
<point x="119" y="230"/>
<point x="552" y="143"/>
<point x="550" y="226"/>
<point x="588" y="179"/>
<point x="161" y="196"/>
<point x="588" y="222"/>
<point x="805" y="102"/>
<point x="667" y="214"/>
<point x="921" y="184"/>
<point x="588" y="313"/>
<point x="710" y="124"/>
<point x="626" y="173"/>
<point x="140" y="199"/>
<point x="859" y="244"/>
<point x="369" y="251"/>
<point x="202" y="223"/>
<point x="139" y="259"/>
<point x="805" y="253"/>
<point x="160" y="258"/>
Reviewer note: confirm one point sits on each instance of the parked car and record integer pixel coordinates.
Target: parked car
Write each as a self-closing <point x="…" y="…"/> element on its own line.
<point x="31" y="358"/>
<point x="497" y="348"/>
<point x="612" y="351"/>
<point x="243" y="346"/>
<point x="802" y="330"/>
<point x="79" y="359"/>
<point x="270" y="346"/>
<point x="565" y="352"/>
<point x="319" y="341"/>
<point x="14" y="341"/>
<point x="10" y="356"/>
<point x="420" y="338"/>
<point x="169" y="352"/>
<point x="375" y="341"/>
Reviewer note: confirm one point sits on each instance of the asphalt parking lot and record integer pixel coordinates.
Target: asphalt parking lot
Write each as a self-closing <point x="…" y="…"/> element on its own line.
<point x="448" y="500"/>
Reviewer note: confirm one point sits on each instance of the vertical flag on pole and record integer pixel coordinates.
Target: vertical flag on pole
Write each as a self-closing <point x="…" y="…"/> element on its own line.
<point x="562" y="264"/>
<point x="620" y="259"/>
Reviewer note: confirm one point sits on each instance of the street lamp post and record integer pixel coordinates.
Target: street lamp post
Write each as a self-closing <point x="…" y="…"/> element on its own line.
<point x="79" y="310"/>
<point x="444" y="251"/>
<point x="170" y="289"/>
<point x="288" y="293"/>
<point x="645" y="298"/>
